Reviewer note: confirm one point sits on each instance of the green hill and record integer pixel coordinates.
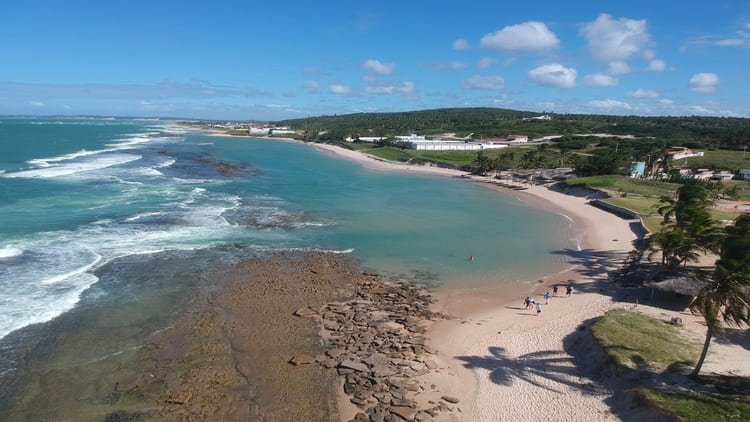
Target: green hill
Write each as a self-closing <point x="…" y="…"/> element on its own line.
<point x="693" y="131"/>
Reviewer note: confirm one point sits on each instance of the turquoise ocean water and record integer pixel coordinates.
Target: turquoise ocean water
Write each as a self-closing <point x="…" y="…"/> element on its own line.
<point x="79" y="196"/>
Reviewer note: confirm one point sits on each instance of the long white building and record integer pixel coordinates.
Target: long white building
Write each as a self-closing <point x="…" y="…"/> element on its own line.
<point x="454" y="145"/>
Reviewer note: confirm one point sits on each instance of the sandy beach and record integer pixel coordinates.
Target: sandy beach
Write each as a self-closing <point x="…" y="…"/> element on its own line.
<point x="505" y="362"/>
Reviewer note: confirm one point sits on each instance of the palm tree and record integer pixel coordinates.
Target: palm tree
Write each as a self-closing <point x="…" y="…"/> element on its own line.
<point x="562" y="152"/>
<point x="727" y="297"/>
<point x="483" y="164"/>
<point x="688" y="226"/>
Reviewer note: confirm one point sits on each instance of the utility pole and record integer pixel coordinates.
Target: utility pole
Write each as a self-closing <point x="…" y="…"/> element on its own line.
<point x="744" y="151"/>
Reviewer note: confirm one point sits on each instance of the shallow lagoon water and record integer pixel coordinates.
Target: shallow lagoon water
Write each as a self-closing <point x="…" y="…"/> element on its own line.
<point x="77" y="194"/>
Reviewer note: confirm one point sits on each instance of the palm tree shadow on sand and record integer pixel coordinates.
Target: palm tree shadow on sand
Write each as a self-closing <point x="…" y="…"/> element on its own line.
<point x="532" y="368"/>
<point x="580" y="366"/>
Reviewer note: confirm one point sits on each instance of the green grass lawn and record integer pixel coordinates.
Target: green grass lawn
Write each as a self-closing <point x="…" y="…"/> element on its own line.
<point x="455" y="159"/>
<point x="718" y="159"/>
<point x="743" y="188"/>
<point x="697" y="406"/>
<point x="626" y="185"/>
<point x="636" y="340"/>
<point x="653" y="224"/>
<point x="632" y="339"/>
<point x="640" y="204"/>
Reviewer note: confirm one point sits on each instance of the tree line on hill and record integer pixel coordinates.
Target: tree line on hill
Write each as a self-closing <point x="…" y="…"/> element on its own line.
<point x="692" y="131"/>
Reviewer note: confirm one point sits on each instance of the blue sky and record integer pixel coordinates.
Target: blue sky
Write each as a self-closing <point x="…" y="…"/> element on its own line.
<point x="283" y="59"/>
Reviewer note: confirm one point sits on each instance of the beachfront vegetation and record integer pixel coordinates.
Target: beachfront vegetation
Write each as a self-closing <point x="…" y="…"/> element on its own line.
<point x="632" y="339"/>
<point x="694" y="406"/>
<point x="688" y="228"/>
<point x="726" y="299"/>
<point x="643" y="343"/>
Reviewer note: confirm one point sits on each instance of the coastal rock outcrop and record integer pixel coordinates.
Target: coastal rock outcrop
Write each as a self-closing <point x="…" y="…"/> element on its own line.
<point x="376" y="344"/>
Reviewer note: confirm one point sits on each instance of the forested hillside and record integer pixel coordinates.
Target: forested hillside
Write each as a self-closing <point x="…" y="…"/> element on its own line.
<point x="708" y="132"/>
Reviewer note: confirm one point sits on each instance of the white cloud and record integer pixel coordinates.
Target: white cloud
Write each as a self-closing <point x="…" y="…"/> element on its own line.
<point x="700" y="110"/>
<point x="339" y="89"/>
<point x="454" y="65"/>
<point x="609" y="104"/>
<point x="554" y="75"/>
<point x="740" y="38"/>
<point x="704" y="82"/>
<point x="666" y="102"/>
<point x="405" y="88"/>
<point x="312" y="85"/>
<point x="378" y="67"/>
<point x="527" y="36"/>
<point x="461" y="44"/>
<point x="483" y="82"/>
<point x="546" y="105"/>
<point x="600" y="79"/>
<point x="643" y="93"/>
<point x="615" y="40"/>
<point x="618" y="68"/>
<point x="649" y="54"/>
<point x="656" y="66"/>
<point x="486" y="62"/>
<point x="36" y="103"/>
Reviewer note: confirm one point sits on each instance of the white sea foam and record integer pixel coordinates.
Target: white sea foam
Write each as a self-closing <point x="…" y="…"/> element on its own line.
<point x="130" y="143"/>
<point x="165" y="163"/>
<point x="144" y="215"/>
<point x="70" y="167"/>
<point x="9" y="252"/>
<point x="333" y="251"/>
<point x="47" y="162"/>
<point x="80" y="270"/>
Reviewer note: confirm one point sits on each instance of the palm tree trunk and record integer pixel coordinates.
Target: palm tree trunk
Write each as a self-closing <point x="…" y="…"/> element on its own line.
<point x="706" y="343"/>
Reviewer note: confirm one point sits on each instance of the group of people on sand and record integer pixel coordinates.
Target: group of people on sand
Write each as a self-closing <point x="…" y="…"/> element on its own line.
<point x="533" y="304"/>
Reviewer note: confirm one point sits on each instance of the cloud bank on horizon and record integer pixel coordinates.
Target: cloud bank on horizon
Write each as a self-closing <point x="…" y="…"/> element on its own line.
<point x="248" y="61"/>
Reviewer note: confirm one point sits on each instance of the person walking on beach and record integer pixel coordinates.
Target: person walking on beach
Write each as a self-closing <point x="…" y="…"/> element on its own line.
<point x="547" y="297"/>
<point x="568" y="290"/>
<point x="538" y="308"/>
<point x="554" y="290"/>
<point x="527" y="302"/>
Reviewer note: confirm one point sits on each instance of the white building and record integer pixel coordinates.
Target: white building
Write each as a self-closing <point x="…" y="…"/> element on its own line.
<point x="542" y="117"/>
<point x="723" y="175"/>
<point x="278" y="131"/>
<point x="678" y="153"/>
<point x="454" y="146"/>
<point x="743" y="174"/>
<point x="365" y="139"/>
<point x="518" y="138"/>
<point x="411" y="138"/>
<point x="259" y="130"/>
